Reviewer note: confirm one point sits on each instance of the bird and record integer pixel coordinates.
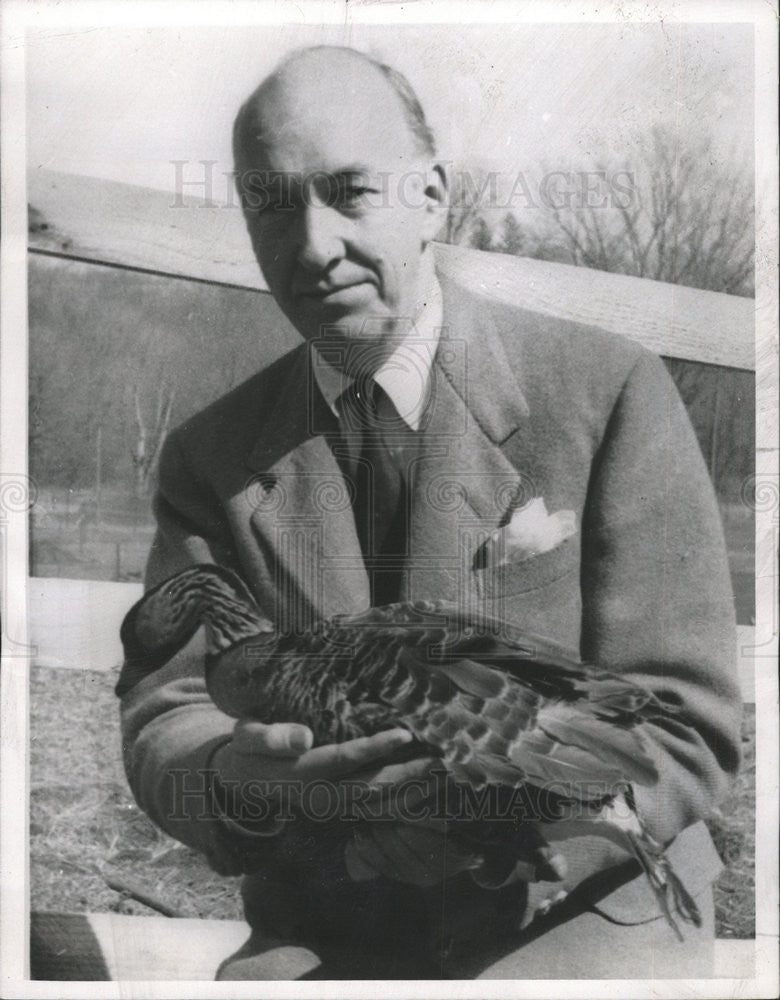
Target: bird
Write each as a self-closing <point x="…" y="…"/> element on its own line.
<point x="500" y="707"/>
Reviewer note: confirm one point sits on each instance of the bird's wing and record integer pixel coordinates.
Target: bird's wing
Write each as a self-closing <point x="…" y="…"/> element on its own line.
<point x="493" y="728"/>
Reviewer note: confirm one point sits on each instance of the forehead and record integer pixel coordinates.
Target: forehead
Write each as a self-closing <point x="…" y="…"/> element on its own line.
<point x="326" y="117"/>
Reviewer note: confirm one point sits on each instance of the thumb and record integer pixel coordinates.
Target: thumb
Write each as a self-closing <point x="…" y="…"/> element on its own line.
<point x="281" y="739"/>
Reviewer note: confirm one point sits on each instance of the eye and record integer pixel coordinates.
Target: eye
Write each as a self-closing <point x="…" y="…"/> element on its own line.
<point x="352" y="196"/>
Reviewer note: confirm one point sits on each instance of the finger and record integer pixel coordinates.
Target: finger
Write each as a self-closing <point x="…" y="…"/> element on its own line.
<point x="282" y="739"/>
<point x="373" y="796"/>
<point x="337" y="759"/>
<point x="394" y="775"/>
<point x="398" y="791"/>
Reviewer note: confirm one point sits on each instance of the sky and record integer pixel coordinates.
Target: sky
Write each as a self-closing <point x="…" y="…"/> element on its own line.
<point x="122" y="103"/>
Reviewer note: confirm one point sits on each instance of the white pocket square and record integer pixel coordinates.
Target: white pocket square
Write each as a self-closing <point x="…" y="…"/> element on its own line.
<point x="531" y="531"/>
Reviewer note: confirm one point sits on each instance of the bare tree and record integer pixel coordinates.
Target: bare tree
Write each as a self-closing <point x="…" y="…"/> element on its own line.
<point x="149" y="441"/>
<point x="472" y="190"/>
<point x="684" y="219"/>
<point x="481" y="236"/>
<point x="512" y="239"/>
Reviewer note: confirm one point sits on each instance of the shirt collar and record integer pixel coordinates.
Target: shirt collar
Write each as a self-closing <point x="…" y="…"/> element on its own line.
<point x="406" y="375"/>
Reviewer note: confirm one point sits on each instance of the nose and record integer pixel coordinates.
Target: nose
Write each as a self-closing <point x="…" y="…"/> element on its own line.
<point x="321" y="235"/>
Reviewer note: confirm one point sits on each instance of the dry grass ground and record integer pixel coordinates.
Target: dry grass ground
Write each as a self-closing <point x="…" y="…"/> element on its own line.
<point x="84" y="824"/>
<point x="734" y="833"/>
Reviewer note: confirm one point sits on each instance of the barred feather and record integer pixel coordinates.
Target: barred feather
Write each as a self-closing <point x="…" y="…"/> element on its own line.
<point x="498" y="705"/>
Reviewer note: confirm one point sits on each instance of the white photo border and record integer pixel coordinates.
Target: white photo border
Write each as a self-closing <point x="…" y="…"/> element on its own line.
<point x="14" y="484"/>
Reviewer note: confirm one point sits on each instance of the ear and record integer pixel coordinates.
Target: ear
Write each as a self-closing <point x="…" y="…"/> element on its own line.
<point x="437" y="199"/>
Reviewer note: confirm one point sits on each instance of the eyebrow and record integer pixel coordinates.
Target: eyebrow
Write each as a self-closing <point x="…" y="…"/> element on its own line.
<point x="355" y="168"/>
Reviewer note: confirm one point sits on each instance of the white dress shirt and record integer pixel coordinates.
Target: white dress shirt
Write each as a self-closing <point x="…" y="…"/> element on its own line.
<point x="405" y="376"/>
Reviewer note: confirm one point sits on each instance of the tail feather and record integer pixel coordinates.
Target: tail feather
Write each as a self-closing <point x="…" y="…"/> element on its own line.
<point x="616" y="747"/>
<point x="573" y="772"/>
<point x="496" y="770"/>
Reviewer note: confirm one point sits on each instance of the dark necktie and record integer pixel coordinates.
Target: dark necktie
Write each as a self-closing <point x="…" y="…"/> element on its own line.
<point x="367" y="419"/>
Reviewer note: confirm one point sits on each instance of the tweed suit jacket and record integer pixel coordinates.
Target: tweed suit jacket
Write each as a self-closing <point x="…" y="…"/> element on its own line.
<point x="523" y="405"/>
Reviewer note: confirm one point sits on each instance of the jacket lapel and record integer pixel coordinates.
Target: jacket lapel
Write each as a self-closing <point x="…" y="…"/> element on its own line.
<point x="300" y="508"/>
<point x="463" y="485"/>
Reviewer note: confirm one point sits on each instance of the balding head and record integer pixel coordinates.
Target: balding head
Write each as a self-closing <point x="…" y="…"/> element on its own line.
<point x="341" y="75"/>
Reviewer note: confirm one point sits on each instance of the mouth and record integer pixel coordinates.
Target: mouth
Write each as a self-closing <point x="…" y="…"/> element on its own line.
<point x="334" y="294"/>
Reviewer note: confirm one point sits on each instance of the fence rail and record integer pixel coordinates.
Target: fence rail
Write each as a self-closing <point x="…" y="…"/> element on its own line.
<point x="205" y="240"/>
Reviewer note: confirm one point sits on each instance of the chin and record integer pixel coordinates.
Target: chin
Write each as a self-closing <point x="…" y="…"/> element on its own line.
<point x="365" y="355"/>
<point x="368" y="329"/>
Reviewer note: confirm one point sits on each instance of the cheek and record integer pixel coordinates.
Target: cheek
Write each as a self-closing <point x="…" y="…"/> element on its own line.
<point x="272" y="256"/>
<point x="397" y="245"/>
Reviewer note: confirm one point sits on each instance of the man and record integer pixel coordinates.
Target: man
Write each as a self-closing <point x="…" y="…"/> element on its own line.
<point x="493" y="408"/>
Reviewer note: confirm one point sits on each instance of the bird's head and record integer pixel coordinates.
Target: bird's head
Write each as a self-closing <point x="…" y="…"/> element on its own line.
<point x="167" y="617"/>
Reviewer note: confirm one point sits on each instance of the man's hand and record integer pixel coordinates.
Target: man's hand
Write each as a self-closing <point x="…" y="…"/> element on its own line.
<point x="320" y="778"/>
<point x="323" y="780"/>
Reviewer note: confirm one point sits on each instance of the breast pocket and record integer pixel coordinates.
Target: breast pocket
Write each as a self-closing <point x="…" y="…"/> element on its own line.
<point x="520" y="577"/>
<point x="541" y="594"/>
